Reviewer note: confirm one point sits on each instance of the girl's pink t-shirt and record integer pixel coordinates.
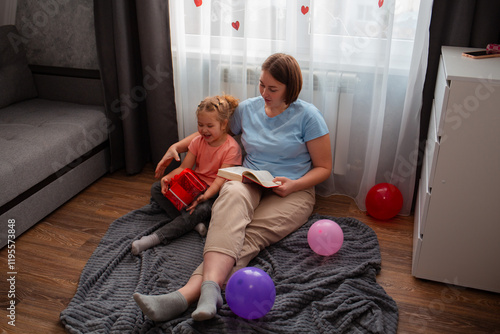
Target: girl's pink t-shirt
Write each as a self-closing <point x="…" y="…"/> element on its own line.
<point x="209" y="159"/>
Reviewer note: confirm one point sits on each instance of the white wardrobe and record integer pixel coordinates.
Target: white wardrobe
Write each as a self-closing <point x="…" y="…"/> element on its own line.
<point x="457" y="217"/>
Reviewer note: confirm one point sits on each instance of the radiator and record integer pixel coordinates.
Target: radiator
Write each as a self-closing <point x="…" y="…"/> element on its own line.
<point x="343" y="125"/>
<point x="331" y="89"/>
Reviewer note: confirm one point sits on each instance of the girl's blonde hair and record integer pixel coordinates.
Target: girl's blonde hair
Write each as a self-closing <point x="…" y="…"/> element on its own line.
<point x="223" y="105"/>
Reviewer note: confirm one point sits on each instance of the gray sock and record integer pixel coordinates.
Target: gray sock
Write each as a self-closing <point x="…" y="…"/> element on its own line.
<point x="210" y="301"/>
<point x="162" y="307"/>
<point x="201" y="229"/>
<point x="144" y="243"/>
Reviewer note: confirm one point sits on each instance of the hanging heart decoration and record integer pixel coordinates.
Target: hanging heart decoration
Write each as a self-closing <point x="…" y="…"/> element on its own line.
<point x="380" y="3"/>
<point x="198" y="2"/>
<point x="305" y="9"/>
<point x="236" y="25"/>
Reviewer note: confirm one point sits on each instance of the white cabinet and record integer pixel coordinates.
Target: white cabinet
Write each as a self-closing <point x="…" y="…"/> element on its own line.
<point x="457" y="217"/>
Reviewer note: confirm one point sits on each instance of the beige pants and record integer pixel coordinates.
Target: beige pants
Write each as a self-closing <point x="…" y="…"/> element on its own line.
<point x="246" y="218"/>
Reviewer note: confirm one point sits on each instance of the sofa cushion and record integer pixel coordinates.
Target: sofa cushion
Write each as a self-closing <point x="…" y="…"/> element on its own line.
<point x="39" y="137"/>
<point x="16" y="80"/>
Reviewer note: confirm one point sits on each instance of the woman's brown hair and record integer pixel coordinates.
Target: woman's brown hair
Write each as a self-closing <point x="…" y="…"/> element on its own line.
<point x="285" y="69"/>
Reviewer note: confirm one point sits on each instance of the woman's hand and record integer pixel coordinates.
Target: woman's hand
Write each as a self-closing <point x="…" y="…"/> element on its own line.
<point x="166" y="160"/>
<point x="173" y="153"/>
<point x="321" y="157"/>
<point x="287" y="186"/>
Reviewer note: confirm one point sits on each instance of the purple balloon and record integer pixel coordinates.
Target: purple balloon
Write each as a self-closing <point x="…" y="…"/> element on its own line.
<point x="250" y="293"/>
<point x="325" y="237"/>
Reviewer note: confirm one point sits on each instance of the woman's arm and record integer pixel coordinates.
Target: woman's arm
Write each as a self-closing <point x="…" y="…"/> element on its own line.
<point x="173" y="153"/>
<point x="321" y="156"/>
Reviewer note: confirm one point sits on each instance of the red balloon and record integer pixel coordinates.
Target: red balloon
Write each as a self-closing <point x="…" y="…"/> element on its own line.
<point x="384" y="201"/>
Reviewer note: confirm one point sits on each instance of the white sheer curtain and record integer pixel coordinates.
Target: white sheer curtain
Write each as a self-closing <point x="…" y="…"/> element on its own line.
<point x="363" y="64"/>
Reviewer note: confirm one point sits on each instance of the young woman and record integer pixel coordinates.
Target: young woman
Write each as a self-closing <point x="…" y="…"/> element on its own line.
<point x="281" y="134"/>
<point x="214" y="148"/>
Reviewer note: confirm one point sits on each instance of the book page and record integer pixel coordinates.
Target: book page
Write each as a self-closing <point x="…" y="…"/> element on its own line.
<point x="237" y="169"/>
<point x="238" y="173"/>
<point x="232" y="173"/>
<point x="261" y="176"/>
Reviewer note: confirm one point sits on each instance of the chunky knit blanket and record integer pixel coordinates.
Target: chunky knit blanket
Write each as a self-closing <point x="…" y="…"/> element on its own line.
<point x="314" y="294"/>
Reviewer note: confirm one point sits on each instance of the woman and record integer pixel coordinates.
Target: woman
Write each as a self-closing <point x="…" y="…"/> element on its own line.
<point x="281" y="134"/>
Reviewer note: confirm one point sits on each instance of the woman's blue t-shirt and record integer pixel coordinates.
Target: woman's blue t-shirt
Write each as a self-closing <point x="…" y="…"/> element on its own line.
<point x="278" y="144"/>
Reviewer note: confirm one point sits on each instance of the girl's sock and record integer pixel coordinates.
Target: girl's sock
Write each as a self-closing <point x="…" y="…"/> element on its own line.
<point x="162" y="307"/>
<point x="201" y="229"/>
<point x="210" y="301"/>
<point x="144" y="243"/>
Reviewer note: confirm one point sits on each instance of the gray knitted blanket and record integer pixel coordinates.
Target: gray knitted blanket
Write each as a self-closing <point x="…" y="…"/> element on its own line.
<point x="314" y="294"/>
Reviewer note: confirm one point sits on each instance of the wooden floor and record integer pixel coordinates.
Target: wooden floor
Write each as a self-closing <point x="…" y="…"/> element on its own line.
<point x="51" y="255"/>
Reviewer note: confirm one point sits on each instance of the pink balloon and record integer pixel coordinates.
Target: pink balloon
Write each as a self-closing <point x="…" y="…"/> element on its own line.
<point x="325" y="237"/>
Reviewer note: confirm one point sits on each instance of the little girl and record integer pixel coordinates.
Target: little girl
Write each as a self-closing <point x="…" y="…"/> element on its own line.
<point x="213" y="149"/>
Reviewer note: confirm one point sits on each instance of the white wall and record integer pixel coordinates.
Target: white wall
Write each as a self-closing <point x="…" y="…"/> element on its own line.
<point x="8" y="12"/>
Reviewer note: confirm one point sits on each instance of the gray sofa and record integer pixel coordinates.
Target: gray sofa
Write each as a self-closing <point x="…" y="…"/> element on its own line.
<point x="53" y="136"/>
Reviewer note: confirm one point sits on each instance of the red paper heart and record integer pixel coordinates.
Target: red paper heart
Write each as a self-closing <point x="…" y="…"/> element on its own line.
<point x="304" y="9"/>
<point x="380" y="3"/>
<point x="236" y="25"/>
<point x="198" y="2"/>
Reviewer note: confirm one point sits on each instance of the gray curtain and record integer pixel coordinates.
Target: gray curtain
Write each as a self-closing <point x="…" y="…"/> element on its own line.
<point x="135" y="60"/>
<point x="467" y="23"/>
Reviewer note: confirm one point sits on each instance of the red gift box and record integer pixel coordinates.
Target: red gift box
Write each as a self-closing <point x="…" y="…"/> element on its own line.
<point x="184" y="188"/>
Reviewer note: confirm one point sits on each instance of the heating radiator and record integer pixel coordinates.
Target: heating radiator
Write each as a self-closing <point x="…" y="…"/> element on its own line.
<point x="332" y="89"/>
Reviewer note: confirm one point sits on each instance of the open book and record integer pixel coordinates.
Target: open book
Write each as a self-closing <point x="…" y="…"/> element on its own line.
<point x="262" y="177"/>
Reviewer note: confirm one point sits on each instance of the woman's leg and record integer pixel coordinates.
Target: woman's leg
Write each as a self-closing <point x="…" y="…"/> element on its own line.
<point x="170" y="306"/>
<point x="231" y="213"/>
<point x="217" y="266"/>
<point x="274" y="218"/>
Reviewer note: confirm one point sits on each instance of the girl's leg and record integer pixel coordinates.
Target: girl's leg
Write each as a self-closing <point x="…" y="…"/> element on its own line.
<point x="144" y="243"/>
<point x="154" y="239"/>
<point x="170" y="306"/>
<point x="162" y="201"/>
<point x="185" y="222"/>
<point x="180" y="225"/>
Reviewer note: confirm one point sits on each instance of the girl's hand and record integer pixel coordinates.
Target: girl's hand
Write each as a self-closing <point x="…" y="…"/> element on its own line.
<point x="166" y="160"/>
<point x="286" y="188"/>
<point x="165" y="181"/>
<point x="200" y="199"/>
